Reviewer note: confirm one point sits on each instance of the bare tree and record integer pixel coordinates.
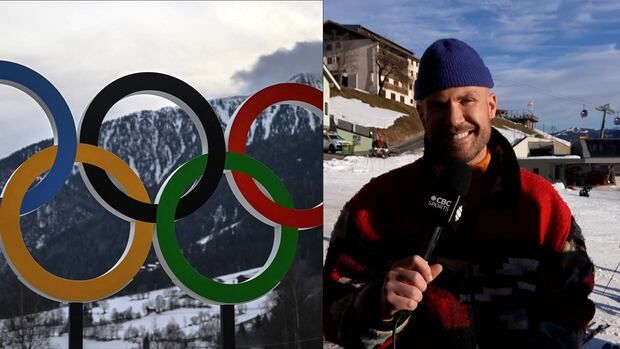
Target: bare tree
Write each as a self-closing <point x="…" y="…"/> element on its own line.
<point x="26" y="332"/>
<point x="160" y="304"/>
<point x="390" y="65"/>
<point x="104" y="305"/>
<point x="342" y="52"/>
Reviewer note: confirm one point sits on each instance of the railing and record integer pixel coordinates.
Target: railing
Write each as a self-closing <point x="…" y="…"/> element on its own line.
<point x="400" y="89"/>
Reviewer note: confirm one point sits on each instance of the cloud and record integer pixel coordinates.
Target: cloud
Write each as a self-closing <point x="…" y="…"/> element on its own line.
<point x="560" y="87"/>
<point x="201" y="43"/>
<point x="281" y="65"/>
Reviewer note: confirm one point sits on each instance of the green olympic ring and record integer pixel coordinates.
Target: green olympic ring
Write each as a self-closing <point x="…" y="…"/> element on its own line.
<point x="182" y="273"/>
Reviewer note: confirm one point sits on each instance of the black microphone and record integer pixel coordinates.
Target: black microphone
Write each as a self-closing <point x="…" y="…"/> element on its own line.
<point x="444" y="207"/>
<point x="445" y="202"/>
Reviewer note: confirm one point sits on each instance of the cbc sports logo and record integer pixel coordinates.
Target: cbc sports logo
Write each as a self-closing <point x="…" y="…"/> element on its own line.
<point x="444" y="204"/>
<point x="183" y="192"/>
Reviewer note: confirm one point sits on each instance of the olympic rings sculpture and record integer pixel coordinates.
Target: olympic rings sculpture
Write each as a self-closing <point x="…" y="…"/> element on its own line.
<point x="183" y="192"/>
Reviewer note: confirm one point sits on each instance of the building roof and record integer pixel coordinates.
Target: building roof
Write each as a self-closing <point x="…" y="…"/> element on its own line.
<point x="369" y="34"/>
<point x="597" y="148"/>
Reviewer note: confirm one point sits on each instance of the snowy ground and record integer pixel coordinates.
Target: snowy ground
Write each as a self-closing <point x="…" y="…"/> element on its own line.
<point x="358" y="112"/>
<point x="181" y="316"/>
<point x="597" y="216"/>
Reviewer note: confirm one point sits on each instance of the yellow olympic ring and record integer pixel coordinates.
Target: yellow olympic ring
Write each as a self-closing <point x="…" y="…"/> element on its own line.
<point x="30" y="272"/>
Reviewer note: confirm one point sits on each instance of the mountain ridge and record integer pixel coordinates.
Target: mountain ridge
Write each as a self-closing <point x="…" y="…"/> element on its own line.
<point x="573" y="134"/>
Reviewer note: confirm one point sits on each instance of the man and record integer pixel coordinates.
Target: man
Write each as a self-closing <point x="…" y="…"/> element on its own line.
<point x="514" y="274"/>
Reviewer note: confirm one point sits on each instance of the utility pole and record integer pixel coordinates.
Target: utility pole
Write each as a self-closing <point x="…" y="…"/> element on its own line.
<point x="605" y="109"/>
<point x="227" y="326"/>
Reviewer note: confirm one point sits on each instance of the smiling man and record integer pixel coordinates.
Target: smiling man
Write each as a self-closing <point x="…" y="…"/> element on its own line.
<point x="513" y="274"/>
<point x="458" y="121"/>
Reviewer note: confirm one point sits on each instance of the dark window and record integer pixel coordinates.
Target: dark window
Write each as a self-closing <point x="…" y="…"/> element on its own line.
<point x="330" y="60"/>
<point x="536" y="170"/>
<point x="393" y="96"/>
<point x="337" y="44"/>
<point x="325" y="108"/>
<point x="402" y="99"/>
<point x="328" y="47"/>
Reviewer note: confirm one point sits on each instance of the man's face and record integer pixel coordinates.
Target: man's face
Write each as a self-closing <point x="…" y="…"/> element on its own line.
<point x="457" y="121"/>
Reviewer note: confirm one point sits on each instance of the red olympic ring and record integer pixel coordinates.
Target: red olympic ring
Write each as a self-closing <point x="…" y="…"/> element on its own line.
<point x="302" y="95"/>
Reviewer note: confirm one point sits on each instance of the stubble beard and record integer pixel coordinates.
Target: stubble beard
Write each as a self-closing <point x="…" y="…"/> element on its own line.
<point x="451" y="151"/>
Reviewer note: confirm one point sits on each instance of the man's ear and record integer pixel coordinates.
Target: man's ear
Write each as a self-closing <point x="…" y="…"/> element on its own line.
<point x="492" y="105"/>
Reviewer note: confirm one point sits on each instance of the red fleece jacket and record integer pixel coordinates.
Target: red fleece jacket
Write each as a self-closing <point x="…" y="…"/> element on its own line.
<point x="516" y="272"/>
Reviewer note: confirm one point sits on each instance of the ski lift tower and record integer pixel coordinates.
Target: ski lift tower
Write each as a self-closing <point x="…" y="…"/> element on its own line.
<point x="605" y="109"/>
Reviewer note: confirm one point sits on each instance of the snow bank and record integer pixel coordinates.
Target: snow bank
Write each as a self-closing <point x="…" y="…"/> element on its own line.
<point x="559" y="186"/>
<point x="360" y="113"/>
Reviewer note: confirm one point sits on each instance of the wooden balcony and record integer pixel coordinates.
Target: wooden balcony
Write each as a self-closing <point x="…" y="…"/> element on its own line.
<point x="400" y="89"/>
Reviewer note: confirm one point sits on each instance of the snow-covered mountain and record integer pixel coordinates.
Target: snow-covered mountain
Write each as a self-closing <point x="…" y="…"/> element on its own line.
<point x="573" y="134"/>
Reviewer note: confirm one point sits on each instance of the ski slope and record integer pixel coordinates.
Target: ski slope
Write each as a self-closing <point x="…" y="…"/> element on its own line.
<point x="597" y="216"/>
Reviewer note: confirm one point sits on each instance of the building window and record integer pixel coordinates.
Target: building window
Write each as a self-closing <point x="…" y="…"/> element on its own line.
<point x="393" y="96"/>
<point x="411" y="101"/>
<point x="330" y="60"/>
<point x="328" y="47"/>
<point x="411" y="86"/>
<point x="337" y="59"/>
<point x="352" y="81"/>
<point x="337" y="44"/>
<point x="402" y="99"/>
<point x="325" y="108"/>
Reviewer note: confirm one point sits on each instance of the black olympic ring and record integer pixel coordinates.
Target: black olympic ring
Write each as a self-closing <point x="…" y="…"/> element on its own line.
<point x="195" y="106"/>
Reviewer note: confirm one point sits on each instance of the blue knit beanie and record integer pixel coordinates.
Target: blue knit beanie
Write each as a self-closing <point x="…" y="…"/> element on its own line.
<point x="450" y="63"/>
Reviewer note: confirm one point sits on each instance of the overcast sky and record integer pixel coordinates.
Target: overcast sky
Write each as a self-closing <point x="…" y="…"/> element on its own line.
<point x="559" y="54"/>
<point x="220" y="48"/>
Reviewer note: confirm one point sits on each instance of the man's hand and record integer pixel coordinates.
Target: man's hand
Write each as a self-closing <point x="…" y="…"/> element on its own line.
<point x="405" y="283"/>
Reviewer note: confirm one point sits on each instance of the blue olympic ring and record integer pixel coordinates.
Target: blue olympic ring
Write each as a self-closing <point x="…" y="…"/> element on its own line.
<point x="63" y="126"/>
